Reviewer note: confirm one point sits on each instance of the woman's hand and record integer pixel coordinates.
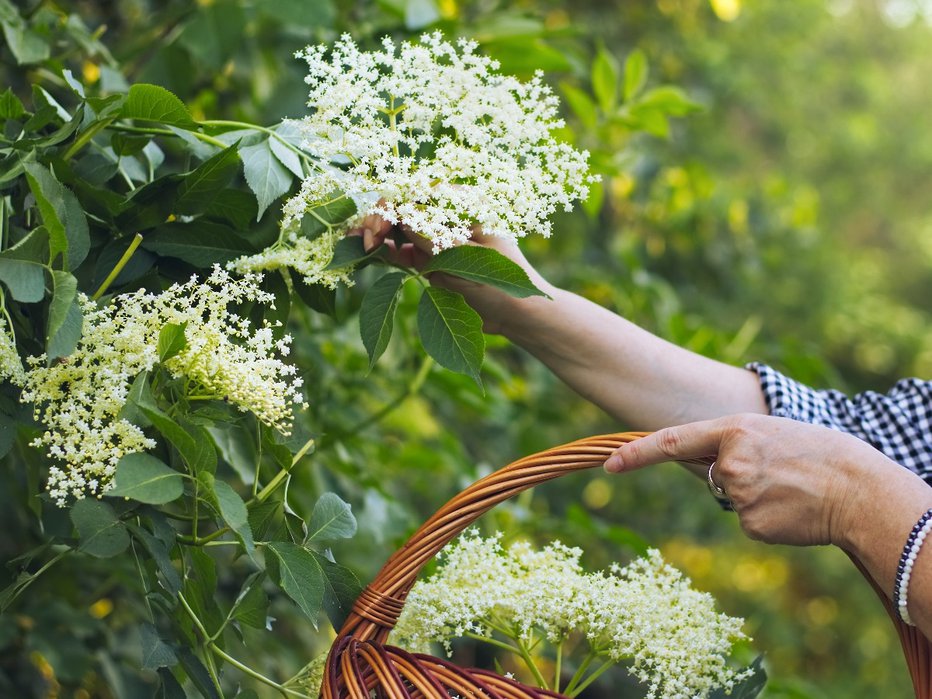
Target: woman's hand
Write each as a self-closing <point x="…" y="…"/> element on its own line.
<point x="789" y="482"/>
<point x="494" y="306"/>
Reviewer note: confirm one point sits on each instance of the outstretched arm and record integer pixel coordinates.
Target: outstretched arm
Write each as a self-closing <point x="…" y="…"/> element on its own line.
<point x="639" y="379"/>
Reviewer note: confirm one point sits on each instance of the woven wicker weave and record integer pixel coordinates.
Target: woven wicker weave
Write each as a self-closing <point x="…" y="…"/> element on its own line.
<point x="360" y="664"/>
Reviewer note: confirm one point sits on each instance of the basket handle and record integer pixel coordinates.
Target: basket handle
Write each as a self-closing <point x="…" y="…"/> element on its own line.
<point x="377" y="608"/>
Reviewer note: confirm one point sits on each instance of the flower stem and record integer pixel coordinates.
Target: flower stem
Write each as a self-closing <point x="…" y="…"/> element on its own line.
<point x="558" y="667"/>
<point x="591" y="678"/>
<point x="580" y="672"/>
<point x="532" y="666"/>
<point x="114" y="273"/>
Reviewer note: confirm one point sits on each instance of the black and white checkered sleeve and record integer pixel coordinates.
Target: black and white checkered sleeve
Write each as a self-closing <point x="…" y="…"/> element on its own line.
<point x="898" y="423"/>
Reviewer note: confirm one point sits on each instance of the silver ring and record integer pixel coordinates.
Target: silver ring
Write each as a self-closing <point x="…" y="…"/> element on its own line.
<point x="716" y="490"/>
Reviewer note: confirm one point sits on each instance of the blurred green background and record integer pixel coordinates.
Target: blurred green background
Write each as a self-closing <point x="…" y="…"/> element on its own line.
<point x="789" y="221"/>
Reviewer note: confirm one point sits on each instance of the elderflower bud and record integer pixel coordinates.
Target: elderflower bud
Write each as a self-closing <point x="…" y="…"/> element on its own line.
<point x="80" y="399"/>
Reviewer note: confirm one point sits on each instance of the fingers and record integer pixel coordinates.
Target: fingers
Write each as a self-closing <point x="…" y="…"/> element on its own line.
<point x="694" y="440"/>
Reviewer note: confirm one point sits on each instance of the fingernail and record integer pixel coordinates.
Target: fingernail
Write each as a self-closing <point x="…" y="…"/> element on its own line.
<point x="367" y="239"/>
<point x="614" y="463"/>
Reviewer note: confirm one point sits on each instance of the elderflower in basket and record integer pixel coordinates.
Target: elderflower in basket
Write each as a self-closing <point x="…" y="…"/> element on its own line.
<point x="81" y="399"/>
<point x="645" y="613"/>
<point x="431" y="136"/>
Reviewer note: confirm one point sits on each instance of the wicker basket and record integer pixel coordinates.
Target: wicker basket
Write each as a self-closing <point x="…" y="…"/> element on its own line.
<point x="360" y="665"/>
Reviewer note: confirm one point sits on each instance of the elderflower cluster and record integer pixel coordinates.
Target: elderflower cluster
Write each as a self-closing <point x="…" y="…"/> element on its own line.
<point x="11" y="366"/>
<point x="80" y="399"/>
<point x="430" y="135"/>
<point x="645" y="612"/>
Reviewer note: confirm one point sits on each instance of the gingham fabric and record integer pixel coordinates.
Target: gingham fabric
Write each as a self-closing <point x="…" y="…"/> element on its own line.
<point x="898" y="423"/>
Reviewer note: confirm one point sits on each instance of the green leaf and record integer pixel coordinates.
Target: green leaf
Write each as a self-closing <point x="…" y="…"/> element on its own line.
<point x="171" y="340"/>
<point x="669" y="100"/>
<point x="748" y="688"/>
<point x="348" y="251"/>
<point x="62" y="215"/>
<point x="265" y="175"/>
<point x="420" y="13"/>
<point x="127" y="144"/>
<point x="101" y="533"/>
<point x="198" y="674"/>
<point x="485" y="266"/>
<point x="22" y="267"/>
<point x="605" y="80"/>
<point x="153" y="103"/>
<point x="65" y="317"/>
<point x="287" y="157"/>
<point x="201" y="186"/>
<point x="199" y="243"/>
<point x="155" y="652"/>
<point x="10" y="106"/>
<point x="582" y="105"/>
<point x="26" y="46"/>
<point x="296" y="571"/>
<point x="331" y="212"/>
<point x="234" y="513"/>
<point x="331" y="519"/>
<point x="317" y="297"/>
<point x="143" y="477"/>
<point x="252" y="605"/>
<point x="341" y="590"/>
<point x="158" y="551"/>
<point x="234" y="205"/>
<point x="451" y="331"/>
<point x="635" y="73"/>
<point x="377" y="314"/>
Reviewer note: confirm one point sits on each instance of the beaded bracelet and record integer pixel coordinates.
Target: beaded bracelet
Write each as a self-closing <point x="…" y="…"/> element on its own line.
<point x="905" y="569"/>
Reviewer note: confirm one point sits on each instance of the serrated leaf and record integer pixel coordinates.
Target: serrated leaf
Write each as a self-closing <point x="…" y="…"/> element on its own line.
<point x="100" y="532"/>
<point x="265" y="175"/>
<point x="22" y="267"/>
<point x="635" y="73"/>
<point x="318" y="297"/>
<point x="127" y="144"/>
<point x="10" y="106"/>
<point x="169" y="688"/>
<point x="296" y="571"/>
<point x="485" y="266"/>
<point x="201" y="186"/>
<point x="65" y="317"/>
<point x="198" y="674"/>
<point x="331" y="519"/>
<point x="154" y="103"/>
<point x="451" y="331"/>
<point x="171" y="340"/>
<point x="62" y="215"/>
<point x="143" y="477"/>
<point x="605" y="80"/>
<point x="155" y="652"/>
<point x="377" y="314"/>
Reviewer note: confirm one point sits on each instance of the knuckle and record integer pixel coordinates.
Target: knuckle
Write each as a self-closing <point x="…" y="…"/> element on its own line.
<point x="669" y="442"/>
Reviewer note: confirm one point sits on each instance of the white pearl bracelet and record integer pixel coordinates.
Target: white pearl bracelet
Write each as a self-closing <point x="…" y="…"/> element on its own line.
<point x="905" y="568"/>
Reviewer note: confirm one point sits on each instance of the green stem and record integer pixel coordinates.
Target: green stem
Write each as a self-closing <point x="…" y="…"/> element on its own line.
<point x="166" y="132"/>
<point x="532" y="666"/>
<point x="558" y="667"/>
<point x="121" y="263"/>
<point x="32" y="578"/>
<point x="85" y="137"/>
<point x="580" y="672"/>
<point x="493" y="641"/>
<point x="209" y="643"/>
<point x="591" y="678"/>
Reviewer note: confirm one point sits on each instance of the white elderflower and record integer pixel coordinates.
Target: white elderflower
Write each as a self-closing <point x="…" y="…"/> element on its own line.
<point x="430" y="135"/>
<point x="80" y="398"/>
<point x="646" y="612"/>
<point x="11" y="366"/>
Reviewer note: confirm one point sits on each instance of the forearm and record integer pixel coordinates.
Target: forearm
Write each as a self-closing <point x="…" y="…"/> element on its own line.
<point x="887" y="507"/>
<point x="638" y="378"/>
